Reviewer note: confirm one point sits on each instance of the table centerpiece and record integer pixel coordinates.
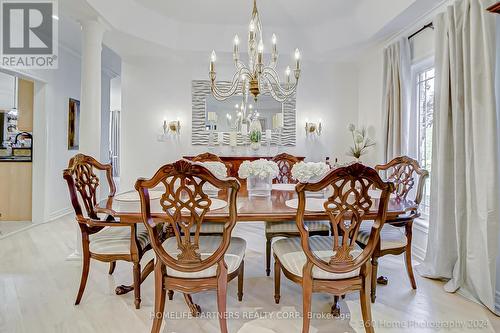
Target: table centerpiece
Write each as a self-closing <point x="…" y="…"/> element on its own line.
<point x="310" y="172"/>
<point x="219" y="170"/>
<point x="259" y="175"/>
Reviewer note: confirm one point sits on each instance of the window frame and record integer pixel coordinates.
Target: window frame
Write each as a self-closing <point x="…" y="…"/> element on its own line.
<point x="416" y="69"/>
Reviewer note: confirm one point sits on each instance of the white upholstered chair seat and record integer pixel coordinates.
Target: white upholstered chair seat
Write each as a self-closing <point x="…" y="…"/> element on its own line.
<point x="207" y="246"/>
<point x="292" y="257"/>
<point x="391" y="237"/>
<point x="116" y="240"/>
<point x="291" y="227"/>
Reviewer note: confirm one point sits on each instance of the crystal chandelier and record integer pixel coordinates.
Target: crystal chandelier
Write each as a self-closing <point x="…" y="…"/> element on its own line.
<point x="256" y="77"/>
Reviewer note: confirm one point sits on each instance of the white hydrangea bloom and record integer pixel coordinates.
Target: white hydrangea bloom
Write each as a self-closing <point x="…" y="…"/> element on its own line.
<point x="305" y="172"/>
<point x="261" y="168"/>
<point x="217" y="168"/>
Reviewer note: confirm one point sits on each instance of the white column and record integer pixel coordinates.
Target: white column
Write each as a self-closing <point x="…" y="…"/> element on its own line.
<point x="90" y="100"/>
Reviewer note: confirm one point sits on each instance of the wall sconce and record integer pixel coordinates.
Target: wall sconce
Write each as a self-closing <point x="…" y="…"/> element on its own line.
<point x="171" y="127"/>
<point x="313" y="128"/>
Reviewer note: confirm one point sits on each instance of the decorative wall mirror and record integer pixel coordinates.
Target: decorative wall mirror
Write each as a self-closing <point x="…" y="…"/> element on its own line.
<point x="225" y="116"/>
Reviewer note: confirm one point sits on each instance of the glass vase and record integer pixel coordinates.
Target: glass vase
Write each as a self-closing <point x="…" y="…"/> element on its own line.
<point x="259" y="186"/>
<point x="255" y="131"/>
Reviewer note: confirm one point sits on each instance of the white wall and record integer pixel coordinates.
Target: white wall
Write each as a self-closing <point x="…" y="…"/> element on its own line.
<point x="370" y="77"/>
<point x="422" y="46"/>
<point x="155" y="88"/>
<point x="53" y="88"/>
<point x="497" y="82"/>
<point x="6" y="91"/>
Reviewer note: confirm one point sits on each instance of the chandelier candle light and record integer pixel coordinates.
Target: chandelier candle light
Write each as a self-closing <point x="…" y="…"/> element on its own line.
<point x="256" y="76"/>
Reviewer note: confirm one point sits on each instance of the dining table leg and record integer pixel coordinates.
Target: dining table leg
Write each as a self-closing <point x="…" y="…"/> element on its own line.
<point x="148" y="269"/>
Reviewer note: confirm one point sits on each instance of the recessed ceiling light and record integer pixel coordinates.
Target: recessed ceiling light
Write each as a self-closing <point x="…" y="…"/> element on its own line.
<point x="55" y="17"/>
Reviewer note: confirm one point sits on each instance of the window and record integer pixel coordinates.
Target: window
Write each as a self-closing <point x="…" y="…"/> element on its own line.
<point x="425" y="118"/>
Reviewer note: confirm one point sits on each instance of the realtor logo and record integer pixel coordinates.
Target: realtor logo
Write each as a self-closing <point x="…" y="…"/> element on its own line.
<point x="29" y="34"/>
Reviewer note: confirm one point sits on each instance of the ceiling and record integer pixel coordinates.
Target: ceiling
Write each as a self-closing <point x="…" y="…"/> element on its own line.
<point x="322" y="29"/>
<point x="277" y="12"/>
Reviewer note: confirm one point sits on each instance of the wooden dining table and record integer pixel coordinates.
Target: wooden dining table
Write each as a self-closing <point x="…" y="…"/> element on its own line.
<point x="273" y="208"/>
<point x="126" y="209"/>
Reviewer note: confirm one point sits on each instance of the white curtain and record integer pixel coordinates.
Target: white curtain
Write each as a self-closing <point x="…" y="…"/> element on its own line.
<point x="396" y="98"/>
<point x="464" y="216"/>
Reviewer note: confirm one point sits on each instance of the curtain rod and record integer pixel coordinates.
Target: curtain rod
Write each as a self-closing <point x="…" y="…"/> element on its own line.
<point x="427" y="26"/>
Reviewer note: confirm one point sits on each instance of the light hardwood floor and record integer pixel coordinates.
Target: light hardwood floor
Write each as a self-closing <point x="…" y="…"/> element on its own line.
<point x="38" y="288"/>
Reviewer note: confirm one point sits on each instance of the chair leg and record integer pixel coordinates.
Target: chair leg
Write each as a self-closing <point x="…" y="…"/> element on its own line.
<point x="306" y="298"/>
<point x="365" y="300"/>
<point x="268" y="255"/>
<point x="159" y="298"/>
<point x="409" y="266"/>
<point x="374" y="268"/>
<point x="277" y="281"/>
<point x="85" y="268"/>
<point x="194" y="308"/>
<point x="240" y="281"/>
<point x="137" y="284"/>
<point x="112" y="266"/>
<point x="221" y="296"/>
<point x="170" y="295"/>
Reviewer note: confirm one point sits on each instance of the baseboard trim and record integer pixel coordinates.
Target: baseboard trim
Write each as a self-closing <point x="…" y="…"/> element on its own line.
<point x="418" y="253"/>
<point x="422" y="225"/>
<point x="32" y="225"/>
<point x="52" y="217"/>
<point x="59" y="213"/>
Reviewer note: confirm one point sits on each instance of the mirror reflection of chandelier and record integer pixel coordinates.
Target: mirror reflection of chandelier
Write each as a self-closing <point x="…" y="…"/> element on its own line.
<point x="256" y="76"/>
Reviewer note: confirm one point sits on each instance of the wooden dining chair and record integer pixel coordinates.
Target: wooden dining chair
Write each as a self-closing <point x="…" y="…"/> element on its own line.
<point x="103" y="238"/>
<point x="288" y="229"/>
<point x="396" y="236"/>
<point x="210" y="228"/>
<point x="335" y="264"/>
<point x="189" y="262"/>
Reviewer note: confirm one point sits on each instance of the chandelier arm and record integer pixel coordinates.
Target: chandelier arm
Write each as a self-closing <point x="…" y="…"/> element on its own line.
<point x="272" y="64"/>
<point x="239" y="64"/>
<point x="273" y="93"/>
<point x="223" y="94"/>
<point x="277" y="94"/>
<point x="272" y="77"/>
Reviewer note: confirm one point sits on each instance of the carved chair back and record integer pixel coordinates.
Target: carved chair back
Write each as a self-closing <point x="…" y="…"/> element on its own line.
<point x="346" y="208"/>
<point x="185" y="206"/>
<point x="209" y="157"/>
<point x="285" y="163"/>
<point x="83" y="184"/>
<point x="402" y="171"/>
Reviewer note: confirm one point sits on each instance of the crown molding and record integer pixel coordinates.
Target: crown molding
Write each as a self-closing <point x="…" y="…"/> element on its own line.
<point x="416" y="24"/>
<point x="70" y="50"/>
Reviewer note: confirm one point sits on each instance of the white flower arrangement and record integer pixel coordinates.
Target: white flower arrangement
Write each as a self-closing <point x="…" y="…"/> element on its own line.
<point x="360" y="140"/>
<point x="305" y="172"/>
<point x="260" y="168"/>
<point x="217" y="168"/>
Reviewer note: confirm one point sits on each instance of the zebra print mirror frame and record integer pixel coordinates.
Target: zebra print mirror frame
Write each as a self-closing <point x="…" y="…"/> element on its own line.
<point x="199" y="134"/>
